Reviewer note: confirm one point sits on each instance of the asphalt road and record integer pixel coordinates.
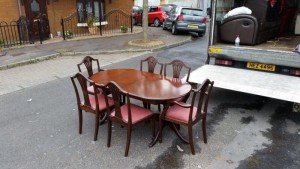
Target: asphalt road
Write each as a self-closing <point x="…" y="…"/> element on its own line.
<point x="39" y="129"/>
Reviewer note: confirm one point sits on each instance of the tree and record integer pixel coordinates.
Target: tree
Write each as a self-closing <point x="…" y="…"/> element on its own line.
<point x="145" y="20"/>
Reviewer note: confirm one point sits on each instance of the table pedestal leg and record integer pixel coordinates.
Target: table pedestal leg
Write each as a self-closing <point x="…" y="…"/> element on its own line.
<point x="174" y="128"/>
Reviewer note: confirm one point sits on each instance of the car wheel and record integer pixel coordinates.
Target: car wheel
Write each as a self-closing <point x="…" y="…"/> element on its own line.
<point x="164" y="26"/>
<point x="156" y="22"/>
<point x="174" y="29"/>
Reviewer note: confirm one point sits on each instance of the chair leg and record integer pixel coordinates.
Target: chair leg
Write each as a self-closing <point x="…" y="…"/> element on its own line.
<point x="153" y="126"/>
<point x="96" y="127"/>
<point x="159" y="108"/>
<point x="108" y="132"/>
<point x="204" y="130"/>
<point x="145" y="105"/>
<point x="177" y="126"/>
<point x="160" y="130"/>
<point x="123" y="99"/>
<point x="191" y="142"/>
<point x="80" y="120"/>
<point x="128" y="141"/>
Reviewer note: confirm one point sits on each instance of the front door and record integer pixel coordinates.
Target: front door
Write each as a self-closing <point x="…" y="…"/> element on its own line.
<point x="36" y="12"/>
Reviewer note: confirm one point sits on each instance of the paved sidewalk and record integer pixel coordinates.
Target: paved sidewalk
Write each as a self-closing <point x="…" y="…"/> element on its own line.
<point x="31" y="75"/>
<point x="87" y="46"/>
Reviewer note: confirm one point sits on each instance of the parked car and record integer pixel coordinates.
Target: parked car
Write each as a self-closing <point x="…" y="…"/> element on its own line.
<point x="166" y="8"/>
<point x="155" y="16"/>
<point x="137" y="15"/>
<point x="185" y="19"/>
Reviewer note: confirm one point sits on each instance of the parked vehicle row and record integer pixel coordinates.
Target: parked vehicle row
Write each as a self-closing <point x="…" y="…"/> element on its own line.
<point x="174" y="18"/>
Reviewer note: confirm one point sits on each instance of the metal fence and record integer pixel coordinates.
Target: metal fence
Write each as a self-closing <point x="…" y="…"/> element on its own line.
<point x="115" y="21"/>
<point x="14" y="33"/>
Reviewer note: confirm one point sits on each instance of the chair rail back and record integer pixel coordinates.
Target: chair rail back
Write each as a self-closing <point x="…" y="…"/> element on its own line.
<point x="116" y="92"/>
<point x="88" y="62"/>
<point x="83" y="82"/>
<point x="177" y="66"/>
<point x="204" y="92"/>
<point x="152" y="62"/>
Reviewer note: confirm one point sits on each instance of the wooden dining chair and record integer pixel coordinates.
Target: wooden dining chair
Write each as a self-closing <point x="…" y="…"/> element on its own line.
<point x="184" y="114"/>
<point x="90" y="102"/>
<point x="88" y="63"/>
<point x="177" y="67"/>
<point x="151" y="64"/>
<point x="127" y="115"/>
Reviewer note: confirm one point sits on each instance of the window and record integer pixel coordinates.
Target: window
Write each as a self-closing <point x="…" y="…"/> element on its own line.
<point x="191" y="12"/>
<point x="172" y="11"/>
<point x="86" y="8"/>
<point x="153" y="9"/>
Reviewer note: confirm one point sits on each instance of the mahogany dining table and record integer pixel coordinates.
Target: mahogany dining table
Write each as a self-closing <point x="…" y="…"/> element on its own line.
<point x="145" y="86"/>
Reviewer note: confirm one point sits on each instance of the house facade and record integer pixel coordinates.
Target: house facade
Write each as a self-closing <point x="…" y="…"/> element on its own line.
<point x="54" y="10"/>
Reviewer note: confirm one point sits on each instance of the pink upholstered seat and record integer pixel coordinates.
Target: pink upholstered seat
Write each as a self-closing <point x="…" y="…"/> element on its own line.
<point x="101" y="100"/>
<point x="137" y="113"/>
<point x="179" y="113"/>
<point x="90" y="89"/>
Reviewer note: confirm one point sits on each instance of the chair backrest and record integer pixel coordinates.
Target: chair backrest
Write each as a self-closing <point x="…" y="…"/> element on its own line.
<point x="152" y="62"/>
<point x="116" y="93"/>
<point x="82" y="86"/>
<point x="88" y="62"/>
<point x="204" y="92"/>
<point x="177" y="66"/>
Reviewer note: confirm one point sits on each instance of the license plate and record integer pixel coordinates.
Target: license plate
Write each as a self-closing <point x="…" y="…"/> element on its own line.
<point x="260" y="66"/>
<point x="192" y="26"/>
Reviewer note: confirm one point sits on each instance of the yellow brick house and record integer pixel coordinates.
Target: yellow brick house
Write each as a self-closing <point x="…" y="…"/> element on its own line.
<point x="54" y="10"/>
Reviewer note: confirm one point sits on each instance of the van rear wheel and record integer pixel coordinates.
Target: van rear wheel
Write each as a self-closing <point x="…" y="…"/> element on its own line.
<point x="200" y="34"/>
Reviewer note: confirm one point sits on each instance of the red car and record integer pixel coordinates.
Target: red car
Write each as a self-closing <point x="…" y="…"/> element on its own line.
<point x="155" y="15"/>
<point x="137" y="15"/>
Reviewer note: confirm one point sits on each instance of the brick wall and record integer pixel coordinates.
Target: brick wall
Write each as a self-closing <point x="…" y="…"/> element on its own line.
<point x="9" y="10"/>
<point x="57" y="10"/>
<point x="125" y="5"/>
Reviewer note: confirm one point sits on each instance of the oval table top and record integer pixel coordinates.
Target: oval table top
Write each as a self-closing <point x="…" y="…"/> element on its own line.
<point x="144" y="85"/>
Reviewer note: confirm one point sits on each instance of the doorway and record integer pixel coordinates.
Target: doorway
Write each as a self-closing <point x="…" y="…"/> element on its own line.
<point x="36" y="12"/>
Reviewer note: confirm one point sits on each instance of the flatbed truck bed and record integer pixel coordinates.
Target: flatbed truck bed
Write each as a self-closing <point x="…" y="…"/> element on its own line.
<point x="266" y="84"/>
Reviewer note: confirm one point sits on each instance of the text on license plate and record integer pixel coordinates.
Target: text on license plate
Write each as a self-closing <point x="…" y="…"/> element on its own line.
<point x="260" y="66"/>
<point x="192" y="26"/>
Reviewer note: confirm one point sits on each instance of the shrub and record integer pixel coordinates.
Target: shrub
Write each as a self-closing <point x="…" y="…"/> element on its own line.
<point x="124" y="29"/>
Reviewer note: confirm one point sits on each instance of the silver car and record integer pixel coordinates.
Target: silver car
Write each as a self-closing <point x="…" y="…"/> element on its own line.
<point x="185" y="19"/>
